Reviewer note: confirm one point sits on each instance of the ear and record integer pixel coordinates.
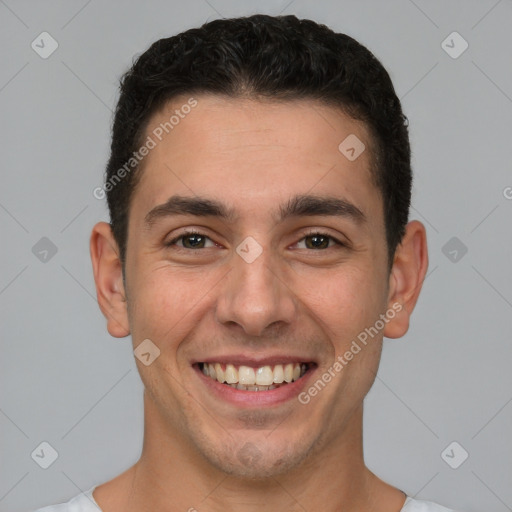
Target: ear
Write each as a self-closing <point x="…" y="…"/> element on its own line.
<point x="410" y="265"/>
<point x="108" y="277"/>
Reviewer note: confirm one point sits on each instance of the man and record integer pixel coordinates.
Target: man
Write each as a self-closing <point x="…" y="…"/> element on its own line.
<point x="258" y="252"/>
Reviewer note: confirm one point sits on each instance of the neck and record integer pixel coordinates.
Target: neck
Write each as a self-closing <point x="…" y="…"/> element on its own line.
<point x="171" y="476"/>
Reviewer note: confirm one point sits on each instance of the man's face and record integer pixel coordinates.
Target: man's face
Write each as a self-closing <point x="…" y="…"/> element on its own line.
<point x="256" y="290"/>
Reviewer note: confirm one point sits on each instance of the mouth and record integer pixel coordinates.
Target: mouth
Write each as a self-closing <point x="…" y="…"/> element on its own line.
<point x="255" y="379"/>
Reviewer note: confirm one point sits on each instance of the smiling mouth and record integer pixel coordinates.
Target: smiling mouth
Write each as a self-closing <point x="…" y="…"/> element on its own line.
<point x="263" y="378"/>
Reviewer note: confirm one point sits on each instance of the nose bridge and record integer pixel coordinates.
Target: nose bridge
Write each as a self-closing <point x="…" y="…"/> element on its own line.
<point x="254" y="294"/>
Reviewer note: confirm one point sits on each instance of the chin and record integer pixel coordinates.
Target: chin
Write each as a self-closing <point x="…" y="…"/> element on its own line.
<point x="256" y="459"/>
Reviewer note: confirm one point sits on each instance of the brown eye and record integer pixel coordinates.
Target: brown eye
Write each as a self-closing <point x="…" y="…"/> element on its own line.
<point x="317" y="241"/>
<point x="190" y="240"/>
<point x="320" y="241"/>
<point x="193" y="241"/>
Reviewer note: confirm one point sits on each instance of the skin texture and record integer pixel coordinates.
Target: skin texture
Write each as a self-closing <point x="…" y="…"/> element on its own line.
<point x="199" y="451"/>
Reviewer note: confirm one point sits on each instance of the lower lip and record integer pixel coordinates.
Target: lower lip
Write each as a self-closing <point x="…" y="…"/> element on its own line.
<point x="249" y="399"/>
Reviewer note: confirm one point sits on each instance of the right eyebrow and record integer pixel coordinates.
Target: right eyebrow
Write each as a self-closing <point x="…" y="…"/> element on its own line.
<point x="197" y="206"/>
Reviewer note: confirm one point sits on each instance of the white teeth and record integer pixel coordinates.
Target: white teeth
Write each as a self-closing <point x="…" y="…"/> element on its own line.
<point x="264" y="376"/>
<point x="288" y="372"/>
<point x="251" y="388"/>
<point x="278" y="374"/>
<point x="254" y="379"/>
<point x="219" y="372"/>
<point x="246" y="376"/>
<point x="231" y="375"/>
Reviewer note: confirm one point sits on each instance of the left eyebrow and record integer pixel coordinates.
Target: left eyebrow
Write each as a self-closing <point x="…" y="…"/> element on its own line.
<point x="301" y="205"/>
<point x="310" y="205"/>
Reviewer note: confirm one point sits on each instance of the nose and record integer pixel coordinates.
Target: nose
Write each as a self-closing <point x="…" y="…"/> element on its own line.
<point x="255" y="296"/>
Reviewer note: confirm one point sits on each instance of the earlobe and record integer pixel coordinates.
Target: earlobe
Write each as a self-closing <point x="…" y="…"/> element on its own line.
<point x="108" y="277"/>
<point x="406" y="278"/>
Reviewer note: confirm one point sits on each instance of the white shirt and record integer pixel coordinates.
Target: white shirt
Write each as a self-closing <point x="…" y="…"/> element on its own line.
<point x="84" y="502"/>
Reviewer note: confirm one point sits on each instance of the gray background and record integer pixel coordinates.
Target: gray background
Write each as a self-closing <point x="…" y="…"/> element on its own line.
<point x="65" y="381"/>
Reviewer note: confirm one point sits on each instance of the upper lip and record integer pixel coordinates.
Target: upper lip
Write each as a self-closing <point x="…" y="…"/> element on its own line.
<point x="254" y="361"/>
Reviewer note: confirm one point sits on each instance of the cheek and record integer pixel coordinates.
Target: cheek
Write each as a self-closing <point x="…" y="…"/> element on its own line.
<point x="154" y="306"/>
<point x="346" y="300"/>
<point x="165" y="304"/>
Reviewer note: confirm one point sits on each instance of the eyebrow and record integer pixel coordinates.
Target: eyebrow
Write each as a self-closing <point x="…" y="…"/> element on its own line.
<point x="301" y="205"/>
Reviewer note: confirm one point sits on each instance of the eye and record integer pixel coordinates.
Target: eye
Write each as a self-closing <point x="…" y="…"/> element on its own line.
<point x="316" y="240"/>
<point x="191" y="240"/>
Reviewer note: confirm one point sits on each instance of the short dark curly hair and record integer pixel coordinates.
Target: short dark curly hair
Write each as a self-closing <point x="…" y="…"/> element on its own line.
<point x="279" y="58"/>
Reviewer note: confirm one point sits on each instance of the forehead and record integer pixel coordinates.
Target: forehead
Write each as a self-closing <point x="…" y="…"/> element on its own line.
<point x="256" y="153"/>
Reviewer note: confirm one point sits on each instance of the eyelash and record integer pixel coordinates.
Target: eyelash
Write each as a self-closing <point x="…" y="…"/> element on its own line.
<point x="186" y="233"/>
